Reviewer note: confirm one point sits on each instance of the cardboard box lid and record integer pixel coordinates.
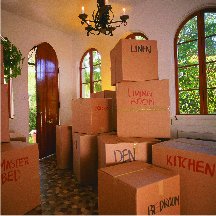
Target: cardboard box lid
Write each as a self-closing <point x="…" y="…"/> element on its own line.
<point x="198" y="142"/>
<point x="138" y="174"/>
<point x="104" y="94"/>
<point x="114" y="139"/>
<point x="89" y="101"/>
<point x="16" y="135"/>
<point x="16" y="145"/>
<point x="196" y="146"/>
<point x="109" y="138"/>
<point x="64" y="126"/>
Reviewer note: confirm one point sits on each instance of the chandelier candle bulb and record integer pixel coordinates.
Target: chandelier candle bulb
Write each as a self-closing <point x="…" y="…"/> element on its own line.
<point x="106" y="2"/>
<point x="124" y="10"/>
<point x="83" y="10"/>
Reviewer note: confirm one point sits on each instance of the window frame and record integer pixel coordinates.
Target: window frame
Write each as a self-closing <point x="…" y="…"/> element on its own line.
<point x="201" y="60"/>
<point x="91" y="66"/>
<point x="133" y="35"/>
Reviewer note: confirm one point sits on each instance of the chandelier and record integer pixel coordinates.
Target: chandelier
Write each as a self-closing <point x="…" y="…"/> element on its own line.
<point x="102" y="20"/>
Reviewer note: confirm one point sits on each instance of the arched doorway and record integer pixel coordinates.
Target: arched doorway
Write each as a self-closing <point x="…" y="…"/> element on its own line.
<point x="47" y="98"/>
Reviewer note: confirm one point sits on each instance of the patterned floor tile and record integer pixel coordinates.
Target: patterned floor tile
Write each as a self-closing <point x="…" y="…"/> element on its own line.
<point x="61" y="193"/>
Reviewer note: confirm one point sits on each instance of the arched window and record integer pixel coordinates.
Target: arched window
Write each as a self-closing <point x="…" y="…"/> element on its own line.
<point x="137" y="36"/>
<point x="90" y="73"/>
<point x="195" y="59"/>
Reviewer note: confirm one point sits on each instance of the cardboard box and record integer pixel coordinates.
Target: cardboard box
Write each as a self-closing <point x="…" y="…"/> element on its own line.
<point x="4" y="114"/>
<point x="20" y="182"/>
<point x="143" y="109"/>
<point x="92" y="115"/>
<point x="109" y="94"/>
<point x="195" y="161"/>
<point x="114" y="150"/>
<point x="64" y="146"/>
<point x="138" y="188"/>
<point x="17" y="137"/>
<point x="85" y="158"/>
<point x="134" y="60"/>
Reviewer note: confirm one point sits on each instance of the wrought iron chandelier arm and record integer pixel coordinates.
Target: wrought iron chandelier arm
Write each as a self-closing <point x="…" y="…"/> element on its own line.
<point x="102" y="19"/>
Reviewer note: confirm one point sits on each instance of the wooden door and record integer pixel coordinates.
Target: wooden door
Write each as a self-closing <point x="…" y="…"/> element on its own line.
<point x="47" y="99"/>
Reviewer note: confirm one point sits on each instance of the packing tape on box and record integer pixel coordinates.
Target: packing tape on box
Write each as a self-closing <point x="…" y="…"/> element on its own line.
<point x="147" y="109"/>
<point x="135" y="171"/>
<point x="128" y="173"/>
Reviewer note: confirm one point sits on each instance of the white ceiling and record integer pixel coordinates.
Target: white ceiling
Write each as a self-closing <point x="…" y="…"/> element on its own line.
<point x="62" y="14"/>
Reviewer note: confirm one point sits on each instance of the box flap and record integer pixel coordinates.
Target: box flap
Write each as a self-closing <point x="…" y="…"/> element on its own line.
<point x="198" y="146"/>
<point x="14" y="145"/>
<point x="138" y="173"/>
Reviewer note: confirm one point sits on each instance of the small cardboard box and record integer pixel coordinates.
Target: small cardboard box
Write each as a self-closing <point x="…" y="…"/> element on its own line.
<point x="138" y="188"/>
<point x="4" y="114"/>
<point x="64" y="146"/>
<point x="114" y="150"/>
<point x="85" y="158"/>
<point x="20" y="181"/>
<point x="134" y="60"/>
<point x="17" y="137"/>
<point x="109" y="94"/>
<point x="143" y="109"/>
<point x="92" y="115"/>
<point x="195" y="162"/>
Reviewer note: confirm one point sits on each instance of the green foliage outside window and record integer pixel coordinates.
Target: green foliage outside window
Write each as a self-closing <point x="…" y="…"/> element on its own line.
<point x="189" y="63"/>
<point x="139" y="38"/>
<point x="32" y="99"/>
<point x="96" y="73"/>
<point x="32" y="91"/>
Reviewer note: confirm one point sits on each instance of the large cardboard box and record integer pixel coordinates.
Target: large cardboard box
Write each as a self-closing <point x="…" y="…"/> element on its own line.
<point x="64" y="146"/>
<point x="138" y="188"/>
<point x="114" y="150"/>
<point x="109" y="94"/>
<point x="4" y="114"/>
<point x="143" y="109"/>
<point x="20" y="182"/>
<point x="195" y="161"/>
<point x="17" y="137"/>
<point x="134" y="60"/>
<point x="85" y="163"/>
<point x="92" y="115"/>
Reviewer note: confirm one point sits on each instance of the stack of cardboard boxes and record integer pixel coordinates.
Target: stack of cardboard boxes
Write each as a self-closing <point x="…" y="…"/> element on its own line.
<point x="142" y="100"/>
<point x="20" y="182"/>
<point x="139" y="111"/>
<point x="90" y="117"/>
<point x="142" y="111"/>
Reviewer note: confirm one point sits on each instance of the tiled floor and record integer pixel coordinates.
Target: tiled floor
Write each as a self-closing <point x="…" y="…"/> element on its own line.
<point x="61" y="194"/>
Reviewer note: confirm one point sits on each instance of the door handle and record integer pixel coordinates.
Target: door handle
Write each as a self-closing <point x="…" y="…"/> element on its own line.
<point x="50" y="121"/>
